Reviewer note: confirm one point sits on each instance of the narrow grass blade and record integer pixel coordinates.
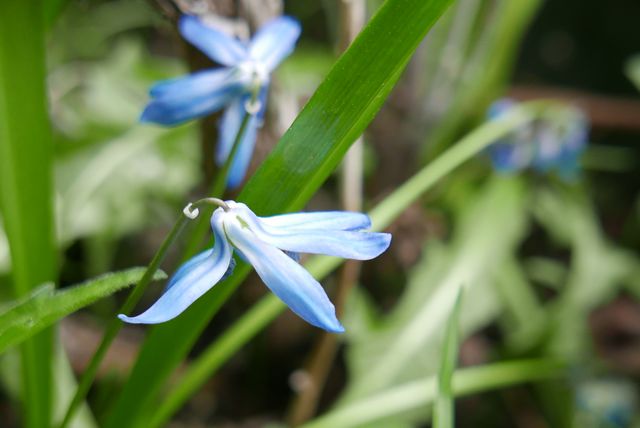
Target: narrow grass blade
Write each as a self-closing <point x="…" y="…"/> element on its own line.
<point x="443" y="416"/>
<point x="26" y="196"/>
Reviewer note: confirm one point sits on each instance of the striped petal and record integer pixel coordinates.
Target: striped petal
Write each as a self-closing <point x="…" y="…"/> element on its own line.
<point x="191" y="281"/>
<point x="323" y="220"/>
<point x="286" y="279"/>
<point x="216" y="44"/>
<point x="356" y="245"/>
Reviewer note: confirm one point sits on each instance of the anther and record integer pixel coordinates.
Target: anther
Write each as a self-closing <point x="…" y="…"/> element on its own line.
<point x="191" y="213"/>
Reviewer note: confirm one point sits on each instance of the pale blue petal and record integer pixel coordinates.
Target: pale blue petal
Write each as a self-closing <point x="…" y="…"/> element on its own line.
<point x="228" y="128"/>
<point x="242" y="159"/>
<point x="196" y="84"/>
<point x="340" y="243"/>
<point x="182" y="100"/>
<point x="227" y="132"/>
<point x="274" y="41"/>
<point x="188" y="267"/>
<point x="194" y="279"/>
<point x="216" y="44"/>
<point x="323" y="220"/>
<point x="286" y="279"/>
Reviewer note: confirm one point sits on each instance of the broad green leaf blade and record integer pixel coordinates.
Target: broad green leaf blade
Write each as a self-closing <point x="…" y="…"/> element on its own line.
<point x="335" y="116"/>
<point x="443" y="416"/>
<point x="422" y="392"/>
<point x="26" y="196"/>
<point x="44" y="307"/>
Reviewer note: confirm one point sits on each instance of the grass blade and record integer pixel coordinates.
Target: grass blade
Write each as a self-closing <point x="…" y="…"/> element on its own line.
<point x="26" y="196"/>
<point x="443" y="416"/>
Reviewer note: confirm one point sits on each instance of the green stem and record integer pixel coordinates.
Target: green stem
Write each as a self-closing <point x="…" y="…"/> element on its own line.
<point x="265" y="311"/>
<point x="115" y="325"/>
<point x="217" y="189"/>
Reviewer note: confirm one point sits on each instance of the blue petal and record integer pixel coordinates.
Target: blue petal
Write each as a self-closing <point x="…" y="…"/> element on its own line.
<point x="216" y="44"/>
<point x="500" y="107"/>
<point x="339" y="243"/>
<point x="191" y="281"/>
<point x="240" y="163"/>
<point x="274" y="41"/>
<point x="227" y="132"/>
<point x="184" y="99"/>
<point x="200" y="83"/>
<point x="286" y="279"/>
<point x="324" y="220"/>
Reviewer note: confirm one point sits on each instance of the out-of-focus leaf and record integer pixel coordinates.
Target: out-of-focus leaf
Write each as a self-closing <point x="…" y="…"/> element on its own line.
<point x="598" y="268"/>
<point x="400" y="347"/>
<point x="103" y="150"/>
<point x="403" y="398"/>
<point x="45" y="306"/>
<point x="332" y="120"/>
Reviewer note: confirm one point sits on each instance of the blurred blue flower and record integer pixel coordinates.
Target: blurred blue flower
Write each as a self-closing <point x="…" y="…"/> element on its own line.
<point x="240" y="85"/>
<point x="271" y="245"/>
<point x="555" y="142"/>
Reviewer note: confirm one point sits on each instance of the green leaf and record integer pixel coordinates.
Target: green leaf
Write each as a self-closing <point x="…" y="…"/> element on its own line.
<point x="443" y="416"/>
<point x="26" y="196"/>
<point x="422" y="392"/>
<point x="44" y="306"/>
<point x="333" y="119"/>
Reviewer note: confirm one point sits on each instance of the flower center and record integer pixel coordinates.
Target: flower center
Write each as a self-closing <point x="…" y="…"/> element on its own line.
<point x="254" y="73"/>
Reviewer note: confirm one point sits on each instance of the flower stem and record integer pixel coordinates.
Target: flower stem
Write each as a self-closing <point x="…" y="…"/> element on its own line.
<point x="115" y="325"/>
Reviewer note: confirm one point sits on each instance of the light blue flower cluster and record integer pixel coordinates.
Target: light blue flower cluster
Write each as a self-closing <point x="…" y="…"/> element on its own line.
<point x="271" y="244"/>
<point x="238" y="87"/>
<point x="553" y="143"/>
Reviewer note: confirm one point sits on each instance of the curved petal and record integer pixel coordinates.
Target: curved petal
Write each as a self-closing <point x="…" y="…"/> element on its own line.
<point x="191" y="281"/>
<point x="216" y="44"/>
<point x="286" y="279"/>
<point x="323" y="220"/>
<point x="274" y="41"/>
<point x="340" y="243"/>
<point x="188" y="98"/>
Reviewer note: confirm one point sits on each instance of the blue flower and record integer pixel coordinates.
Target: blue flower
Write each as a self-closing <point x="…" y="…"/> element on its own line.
<point x="240" y="85"/>
<point x="555" y="142"/>
<point x="267" y="244"/>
